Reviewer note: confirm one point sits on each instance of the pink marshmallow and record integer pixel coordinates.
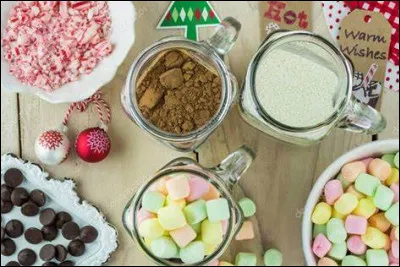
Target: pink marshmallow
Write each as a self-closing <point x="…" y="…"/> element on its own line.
<point x="367" y="161"/>
<point x="356" y="246"/>
<point x="395" y="189"/>
<point x="395" y="249"/>
<point x="333" y="191"/>
<point x="225" y="226"/>
<point x="198" y="188"/>
<point x="214" y="263"/>
<point x="356" y="225"/>
<point x="143" y="215"/>
<point x="392" y="258"/>
<point x="393" y="234"/>
<point x="321" y="246"/>
<point x="178" y="187"/>
<point x="183" y="236"/>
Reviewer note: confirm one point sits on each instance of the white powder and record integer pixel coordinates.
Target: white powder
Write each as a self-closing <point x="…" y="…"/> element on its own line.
<point x="294" y="88"/>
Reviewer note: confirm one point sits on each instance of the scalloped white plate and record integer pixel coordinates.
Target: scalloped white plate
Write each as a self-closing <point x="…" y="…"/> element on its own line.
<point x="61" y="196"/>
<point x="123" y="17"/>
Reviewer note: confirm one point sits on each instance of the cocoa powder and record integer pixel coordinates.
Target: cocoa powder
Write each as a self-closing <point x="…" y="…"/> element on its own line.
<point x="177" y="93"/>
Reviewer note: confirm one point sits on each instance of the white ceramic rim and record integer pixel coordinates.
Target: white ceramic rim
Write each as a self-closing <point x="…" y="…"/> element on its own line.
<point x="364" y="151"/>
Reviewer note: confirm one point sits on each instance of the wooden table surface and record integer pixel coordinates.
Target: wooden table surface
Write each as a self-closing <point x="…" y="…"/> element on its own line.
<point x="279" y="180"/>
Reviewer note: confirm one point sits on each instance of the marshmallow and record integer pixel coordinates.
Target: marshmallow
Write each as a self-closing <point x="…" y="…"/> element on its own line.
<point x="218" y="210"/>
<point x="193" y="253"/>
<point x="336" y="231"/>
<point x="183" y="236"/>
<point x="246" y="259"/>
<point x="333" y="191"/>
<point x="248" y="207"/>
<point x="393" y="214"/>
<point x="151" y="229"/>
<point x="273" y="257"/>
<point x="198" y="188"/>
<point x="327" y="262"/>
<point x="322" y="213"/>
<point x="353" y="261"/>
<point x="143" y="215"/>
<point x="212" y="193"/>
<point x="353" y="190"/>
<point x="356" y="225"/>
<point x="171" y="218"/>
<point x="352" y="170"/>
<point x="383" y="198"/>
<point x="246" y="232"/>
<point x="346" y="204"/>
<point x="164" y="248"/>
<point x="153" y="201"/>
<point x="365" y="208"/>
<point x="211" y="232"/>
<point x="374" y="238"/>
<point x="376" y="257"/>
<point x="367" y="184"/>
<point x="380" y="222"/>
<point x="178" y="187"/>
<point x="356" y="245"/>
<point x="380" y="169"/>
<point x="393" y="178"/>
<point x="321" y="246"/>
<point x="180" y="203"/>
<point x="338" y="251"/>
<point x="195" y="212"/>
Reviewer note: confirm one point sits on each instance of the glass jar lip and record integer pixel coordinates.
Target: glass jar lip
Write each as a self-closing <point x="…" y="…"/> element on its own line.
<point x="285" y="34"/>
<point x="174" y="170"/>
<point x="179" y="42"/>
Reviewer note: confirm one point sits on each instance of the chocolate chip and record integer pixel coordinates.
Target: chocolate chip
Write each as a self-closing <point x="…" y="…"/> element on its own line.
<point x="27" y="257"/>
<point x="14" y="229"/>
<point x="76" y="248"/>
<point x="66" y="263"/>
<point x="6" y="192"/>
<point x="48" y="252"/>
<point x="49" y="264"/>
<point x="34" y="236"/>
<point x="61" y="253"/>
<point x="13" y="178"/>
<point x="49" y="233"/>
<point x="3" y="233"/>
<point x="38" y="197"/>
<point x="7" y="247"/>
<point x="6" y="207"/>
<point x="13" y="263"/>
<point x="19" y="196"/>
<point x="62" y="218"/>
<point x="70" y="231"/>
<point x="47" y="217"/>
<point x="30" y="209"/>
<point x="88" y="234"/>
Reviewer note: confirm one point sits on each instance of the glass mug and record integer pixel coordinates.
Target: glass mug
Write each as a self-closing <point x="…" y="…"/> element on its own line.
<point x="223" y="177"/>
<point x="209" y="52"/>
<point x="349" y="113"/>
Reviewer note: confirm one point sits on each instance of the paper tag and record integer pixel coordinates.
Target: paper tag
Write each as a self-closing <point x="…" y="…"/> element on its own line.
<point x="290" y="15"/>
<point x="365" y="38"/>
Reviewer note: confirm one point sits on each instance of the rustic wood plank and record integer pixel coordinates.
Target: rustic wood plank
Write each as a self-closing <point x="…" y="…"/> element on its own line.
<point x="9" y="123"/>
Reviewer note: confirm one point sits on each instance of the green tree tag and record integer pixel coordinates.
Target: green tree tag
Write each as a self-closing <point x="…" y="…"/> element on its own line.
<point x="189" y="15"/>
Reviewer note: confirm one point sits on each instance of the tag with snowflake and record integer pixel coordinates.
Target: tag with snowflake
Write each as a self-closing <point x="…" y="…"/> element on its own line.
<point x="190" y="16"/>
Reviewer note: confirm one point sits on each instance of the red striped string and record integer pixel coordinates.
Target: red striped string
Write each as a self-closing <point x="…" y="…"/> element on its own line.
<point x="370" y="74"/>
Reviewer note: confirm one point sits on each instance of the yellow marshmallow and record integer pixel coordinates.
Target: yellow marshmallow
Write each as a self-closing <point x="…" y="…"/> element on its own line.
<point x="180" y="203"/>
<point x="151" y="229"/>
<point x="322" y="213"/>
<point x="224" y="263"/>
<point x="352" y="190"/>
<point x="337" y="215"/>
<point x="365" y="208"/>
<point x="210" y="249"/>
<point x="171" y="218"/>
<point x="211" y="232"/>
<point x="346" y="204"/>
<point x="374" y="238"/>
<point x="393" y="178"/>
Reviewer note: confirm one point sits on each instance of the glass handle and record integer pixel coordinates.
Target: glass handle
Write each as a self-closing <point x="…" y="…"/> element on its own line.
<point x="225" y="36"/>
<point x="361" y="118"/>
<point x="239" y="220"/>
<point x="235" y="165"/>
<point x="235" y="88"/>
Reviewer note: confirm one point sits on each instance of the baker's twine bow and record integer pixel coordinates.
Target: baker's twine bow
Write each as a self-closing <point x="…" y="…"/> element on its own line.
<point x="101" y="105"/>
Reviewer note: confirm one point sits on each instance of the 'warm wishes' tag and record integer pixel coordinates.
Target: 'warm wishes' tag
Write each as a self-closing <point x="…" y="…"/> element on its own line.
<point x="365" y="38"/>
<point x="290" y="15"/>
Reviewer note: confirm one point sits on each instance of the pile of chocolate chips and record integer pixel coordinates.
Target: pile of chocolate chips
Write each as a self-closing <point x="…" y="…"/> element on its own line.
<point x="12" y="195"/>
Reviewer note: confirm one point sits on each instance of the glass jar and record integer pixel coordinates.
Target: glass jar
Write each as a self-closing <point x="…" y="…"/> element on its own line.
<point x="210" y="53"/>
<point x="349" y="113"/>
<point x="224" y="177"/>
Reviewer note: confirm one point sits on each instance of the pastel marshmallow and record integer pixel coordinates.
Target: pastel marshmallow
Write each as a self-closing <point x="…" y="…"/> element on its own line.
<point x="327" y="262"/>
<point x="178" y="187"/>
<point x="377" y="257"/>
<point x="195" y="212"/>
<point x="380" y="222"/>
<point x="365" y="208"/>
<point x="352" y="170"/>
<point x="336" y="231"/>
<point x="367" y="184"/>
<point x="246" y="259"/>
<point x="338" y="251"/>
<point x="211" y="232"/>
<point x="392" y="259"/>
<point x="224" y="263"/>
<point x="389" y="158"/>
<point x="374" y="238"/>
<point x="353" y="261"/>
<point x="337" y="215"/>
<point x="225" y="224"/>
<point x="322" y="213"/>
<point x="380" y="169"/>
<point x="151" y="229"/>
<point x="212" y="193"/>
<point x="356" y="246"/>
<point x="319" y="229"/>
<point x="196" y="227"/>
<point x="214" y="263"/>
<point x="193" y="253"/>
<point x="160" y="186"/>
<point x="183" y="236"/>
<point x="153" y="201"/>
<point x="273" y="257"/>
<point x="392" y="214"/>
<point x="352" y="190"/>
<point x="164" y="248"/>
<point x="246" y="232"/>
<point x="333" y="191"/>
<point x="321" y="246"/>
<point x="393" y="178"/>
<point x="395" y="249"/>
<point x="395" y="189"/>
<point x="396" y="160"/>
<point x="198" y="188"/>
<point x="248" y="207"/>
<point x="346" y="204"/>
<point x="356" y="225"/>
<point x="367" y="161"/>
<point x="210" y="248"/>
<point x="143" y="215"/>
<point x="218" y="210"/>
<point x="383" y="198"/>
<point x="180" y="203"/>
<point x="171" y="218"/>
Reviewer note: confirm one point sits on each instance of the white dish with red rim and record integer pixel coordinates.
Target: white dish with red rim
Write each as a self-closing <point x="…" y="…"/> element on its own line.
<point x="123" y="16"/>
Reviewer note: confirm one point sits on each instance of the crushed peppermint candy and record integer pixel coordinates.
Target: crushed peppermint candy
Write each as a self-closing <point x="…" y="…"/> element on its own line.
<point x="51" y="43"/>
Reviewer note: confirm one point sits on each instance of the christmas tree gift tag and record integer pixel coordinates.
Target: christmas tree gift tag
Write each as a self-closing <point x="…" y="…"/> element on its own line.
<point x="290" y="15"/>
<point x="189" y="15"/>
<point x="365" y="38"/>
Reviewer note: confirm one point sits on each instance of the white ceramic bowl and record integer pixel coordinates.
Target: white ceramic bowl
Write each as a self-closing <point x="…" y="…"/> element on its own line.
<point x="377" y="148"/>
<point x="122" y="37"/>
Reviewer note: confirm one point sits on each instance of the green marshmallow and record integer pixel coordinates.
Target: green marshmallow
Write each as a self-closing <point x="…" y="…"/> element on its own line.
<point x="196" y="227"/>
<point x="195" y="212"/>
<point x="193" y="253"/>
<point x="393" y="214"/>
<point x="389" y="158"/>
<point x="396" y="160"/>
<point x="246" y="259"/>
<point x="273" y="257"/>
<point x="164" y="248"/>
<point x="336" y="231"/>
<point x="367" y="184"/>
<point x="248" y="207"/>
<point x="319" y="229"/>
<point x="377" y="257"/>
<point x="218" y="210"/>
<point x="383" y="198"/>
<point x="338" y="251"/>
<point x="353" y="261"/>
<point x="153" y="201"/>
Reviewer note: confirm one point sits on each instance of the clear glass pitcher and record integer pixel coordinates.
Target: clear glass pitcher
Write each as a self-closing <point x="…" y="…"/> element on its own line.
<point x="223" y="177"/>
<point x="211" y="53"/>
<point x="349" y="113"/>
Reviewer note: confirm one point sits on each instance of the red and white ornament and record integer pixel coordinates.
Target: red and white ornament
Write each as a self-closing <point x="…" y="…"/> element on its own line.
<point x="52" y="147"/>
<point x="93" y="145"/>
